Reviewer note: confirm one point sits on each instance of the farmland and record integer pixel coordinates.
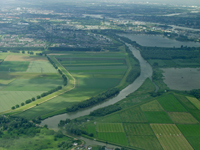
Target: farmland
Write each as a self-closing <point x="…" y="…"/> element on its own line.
<point x="170" y="137"/>
<point x="194" y="101"/>
<point x="182" y="117"/>
<point x="18" y="85"/>
<point x="110" y="127"/>
<point x="94" y="73"/>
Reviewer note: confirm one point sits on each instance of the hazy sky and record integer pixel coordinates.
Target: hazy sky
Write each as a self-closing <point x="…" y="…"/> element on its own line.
<point x="180" y="2"/>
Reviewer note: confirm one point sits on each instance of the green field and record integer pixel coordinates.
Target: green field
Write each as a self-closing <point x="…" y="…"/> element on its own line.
<point x="152" y="106"/>
<point x="113" y="137"/>
<point x="157" y="117"/>
<point x="170" y="137"/>
<point x="182" y="118"/>
<point x="110" y="127"/>
<point x="14" y="66"/>
<point x="170" y="103"/>
<point x="41" y="67"/>
<point x="33" y="85"/>
<point x="192" y="134"/>
<point x="91" y="128"/>
<point x="133" y="115"/>
<point x="138" y="129"/>
<point x="12" y="98"/>
<point x="113" y="118"/>
<point x="90" y="79"/>
<point x="145" y="142"/>
<point x="194" y="101"/>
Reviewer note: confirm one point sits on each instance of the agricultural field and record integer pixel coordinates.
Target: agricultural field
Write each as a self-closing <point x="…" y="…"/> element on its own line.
<point x="113" y="137"/>
<point x="194" y="101"/>
<point x="157" y="117"/>
<point x="110" y="127"/>
<point x="133" y="115"/>
<point x="41" y="67"/>
<point x="192" y="134"/>
<point x="170" y="137"/>
<point x="18" y="85"/>
<point x="94" y="73"/>
<point x="182" y="118"/>
<point x="152" y="106"/>
<point x="170" y="103"/>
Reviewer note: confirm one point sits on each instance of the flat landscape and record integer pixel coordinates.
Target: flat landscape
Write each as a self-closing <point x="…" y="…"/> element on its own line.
<point x="93" y="72"/>
<point x="19" y="83"/>
<point x="152" y="125"/>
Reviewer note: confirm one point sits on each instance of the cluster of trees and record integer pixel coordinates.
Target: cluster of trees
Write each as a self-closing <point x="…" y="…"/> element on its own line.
<point x="14" y="126"/>
<point x="64" y="77"/>
<point x="62" y="123"/>
<point x="73" y="49"/>
<point x="169" y="53"/>
<point x="94" y="100"/>
<point x="195" y="93"/>
<point x="38" y="97"/>
<point x="52" y="62"/>
<point x="134" y="73"/>
<point x="106" y="110"/>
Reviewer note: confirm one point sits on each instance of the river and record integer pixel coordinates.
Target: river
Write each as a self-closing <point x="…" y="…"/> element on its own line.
<point x="146" y="72"/>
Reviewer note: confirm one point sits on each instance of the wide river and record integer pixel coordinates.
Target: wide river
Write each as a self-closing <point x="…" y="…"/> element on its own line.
<point x="146" y="72"/>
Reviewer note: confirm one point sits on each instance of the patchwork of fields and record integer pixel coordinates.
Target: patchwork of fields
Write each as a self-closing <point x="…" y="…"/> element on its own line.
<point x="94" y="73"/>
<point x="21" y="78"/>
<point x="162" y="123"/>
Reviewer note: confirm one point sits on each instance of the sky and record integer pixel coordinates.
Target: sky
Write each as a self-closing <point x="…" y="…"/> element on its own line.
<point x="179" y="2"/>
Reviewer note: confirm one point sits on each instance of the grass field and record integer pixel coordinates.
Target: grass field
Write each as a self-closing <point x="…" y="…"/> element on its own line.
<point x="182" y="118"/>
<point x="152" y="106"/>
<point x="157" y="117"/>
<point x="12" y="98"/>
<point x="110" y="127"/>
<point x="170" y="103"/>
<point x="170" y="137"/>
<point x="192" y="134"/>
<point x="138" y="129"/>
<point x="133" y="115"/>
<point x="113" y="118"/>
<point x="41" y="67"/>
<point x="90" y="80"/>
<point x="91" y="128"/>
<point x="14" y="66"/>
<point x="21" y="57"/>
<point x="33" y="85"/>
<point x="194" y="101"/>
<point x="114" y="137"/>
<point x="145" y="142"/>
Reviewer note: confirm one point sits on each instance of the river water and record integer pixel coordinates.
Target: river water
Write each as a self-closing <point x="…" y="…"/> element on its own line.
<point x="146" y="72"/>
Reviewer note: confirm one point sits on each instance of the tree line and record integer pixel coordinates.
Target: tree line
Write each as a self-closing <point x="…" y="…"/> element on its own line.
<point x="94" y="100"/>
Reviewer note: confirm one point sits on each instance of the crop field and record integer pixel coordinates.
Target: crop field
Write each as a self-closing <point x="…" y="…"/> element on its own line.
<point x="114" y="137"/>
<point x="133" y="115"/>
<point x="157" y="117"/>
<point x="41" y="67"/>
<point x="14" y="66"/>
<point x="24" y="58"/>
<point x="33" y="85"/>
<point x="17" y="85"/>
<point x="137" y="129"/>
<point x="182" y="118"/>
<point x="114" y="118"/>
<point x="170" y="137"/>
<point x="152" y="106"/>
<point x="110" y="127"/>
<point x="194" y="101"/>
<point x="11" y="98"/>
<point x="145" y="142"/>
<point x="170" y="103"/>
<point x="191" y="133"/>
